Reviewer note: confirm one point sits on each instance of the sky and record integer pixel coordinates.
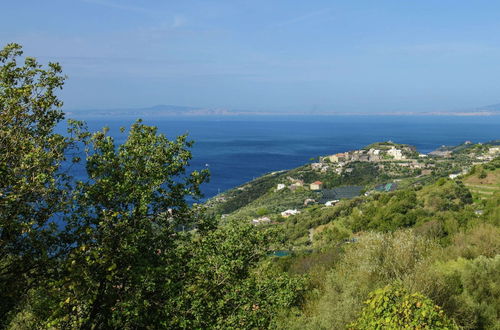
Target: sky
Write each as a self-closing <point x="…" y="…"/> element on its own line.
<point x="266" y="55"/>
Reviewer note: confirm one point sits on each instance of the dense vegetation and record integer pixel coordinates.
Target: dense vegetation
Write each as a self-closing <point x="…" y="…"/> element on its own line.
<point x="124" y="249"/>
<point x="111" y="251"/>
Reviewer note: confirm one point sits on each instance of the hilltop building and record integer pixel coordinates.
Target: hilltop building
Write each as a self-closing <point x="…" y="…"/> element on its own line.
<point x="397" y="154"/>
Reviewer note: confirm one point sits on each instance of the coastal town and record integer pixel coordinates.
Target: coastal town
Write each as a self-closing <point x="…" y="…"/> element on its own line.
<point x="380" y="167"/>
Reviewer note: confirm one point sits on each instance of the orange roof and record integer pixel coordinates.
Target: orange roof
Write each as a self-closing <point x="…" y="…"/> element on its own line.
<point x="318" y="182"/>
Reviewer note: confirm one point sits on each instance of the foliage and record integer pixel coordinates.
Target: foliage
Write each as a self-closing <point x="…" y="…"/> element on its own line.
<point x="129" y="251"/>
<point x="273" y="202"/>
<point x="375" y="260"/>
<point x="223" y="291"/>
<point x="123" y="229"/>
<point x="395" y="308"/>
<point x="466" y="288"/>
<point x="236" y="198"/>
<point x="33" y="188"/>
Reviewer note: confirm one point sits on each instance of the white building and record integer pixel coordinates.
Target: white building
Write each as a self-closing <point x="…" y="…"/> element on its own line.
<point x="287" y="213"/>
<point x="261" y="220"/>
<point x="331" y="203"/>
<point x="397" y="154"/>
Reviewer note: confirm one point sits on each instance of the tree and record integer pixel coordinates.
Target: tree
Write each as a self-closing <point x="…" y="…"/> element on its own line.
<point x="125" y="227"/>
<point x="123" y="248"/>
<point x="32" y="186"/>
<point x="225" y="288"/>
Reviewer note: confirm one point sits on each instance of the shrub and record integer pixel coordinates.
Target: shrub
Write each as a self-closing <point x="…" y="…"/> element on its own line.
<point x="395" y="308"/>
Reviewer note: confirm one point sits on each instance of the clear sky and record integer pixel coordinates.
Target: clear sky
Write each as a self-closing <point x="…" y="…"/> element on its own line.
<point x="349" y="55"/>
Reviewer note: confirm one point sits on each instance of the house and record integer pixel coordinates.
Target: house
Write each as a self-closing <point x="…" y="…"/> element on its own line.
<point x="297" y="182"/>
<point x="287" y="213"/>
<point x="317" y="185"/>
<point x="316" y="166"/>
<point x="325" y="169"/>
<point x="280" y="186"/>
<point x="332" y="203"/>
<point x="339" y="157"/>
<point x="397" y="154"/>
<point x="494" y="150"/>
<point x="295" y="186"/>
<point x="309" y="201"/>
<point x="453" y="175"/>
<point x="261" y="220"/>
<point x="364" y="158"/>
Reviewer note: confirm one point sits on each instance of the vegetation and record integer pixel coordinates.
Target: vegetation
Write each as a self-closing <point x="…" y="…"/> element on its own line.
<point x="125" y="249"/>
<point x="395" y="308"/>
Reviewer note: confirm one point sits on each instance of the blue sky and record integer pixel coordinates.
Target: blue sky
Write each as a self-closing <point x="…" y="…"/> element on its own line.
<point x="266" y="55"/>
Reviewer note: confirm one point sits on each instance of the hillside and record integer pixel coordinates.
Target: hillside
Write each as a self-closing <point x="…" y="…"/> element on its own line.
<point x="425" y="224"/>
<point x="382" y="166"/>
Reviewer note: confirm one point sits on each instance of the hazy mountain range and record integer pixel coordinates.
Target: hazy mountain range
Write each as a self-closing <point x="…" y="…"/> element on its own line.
<point x="176" y="110"/>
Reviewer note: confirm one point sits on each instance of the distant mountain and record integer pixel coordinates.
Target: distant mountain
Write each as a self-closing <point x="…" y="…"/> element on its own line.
<point x="163" y="110"/>
<point x="157" y="110"/>
<point x="490" y="108"/>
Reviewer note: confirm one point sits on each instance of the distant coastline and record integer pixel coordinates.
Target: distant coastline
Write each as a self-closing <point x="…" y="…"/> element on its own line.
<point x="184" y="111"/>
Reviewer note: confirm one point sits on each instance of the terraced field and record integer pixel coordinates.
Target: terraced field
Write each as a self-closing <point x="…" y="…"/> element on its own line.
<point x="484" y="188"/>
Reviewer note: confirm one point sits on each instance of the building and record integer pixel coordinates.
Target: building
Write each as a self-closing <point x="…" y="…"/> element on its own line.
<point x="397" y="154"/>
<point x="309" y="201"/>
<point x="280" y="186"/>
<point x="261" y="221"/>
<point x="317" y="185"/>
<point x="494" y="150"/>
<point x="287" y="213"/>
<point x="341" y="157"/>
<point x="316" y="166"/>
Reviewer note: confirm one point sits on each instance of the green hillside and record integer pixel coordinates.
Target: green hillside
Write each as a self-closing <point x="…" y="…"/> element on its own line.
<point x="436" y="237"/>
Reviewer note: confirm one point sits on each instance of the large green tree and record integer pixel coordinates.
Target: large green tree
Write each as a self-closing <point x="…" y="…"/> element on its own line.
<point x="32" y="184"/>
<point x="126" y="224"/>
<point x="128" y="249"/>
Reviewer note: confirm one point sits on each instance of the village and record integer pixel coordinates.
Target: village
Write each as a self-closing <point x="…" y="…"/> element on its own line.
<point x="383" y="156"/>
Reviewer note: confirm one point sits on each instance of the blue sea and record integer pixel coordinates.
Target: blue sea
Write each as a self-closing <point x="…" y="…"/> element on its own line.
<point x="239" y="149"/>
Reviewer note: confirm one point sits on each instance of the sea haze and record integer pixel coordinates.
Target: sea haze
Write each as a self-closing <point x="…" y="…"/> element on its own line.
<point x="238" y="149"/>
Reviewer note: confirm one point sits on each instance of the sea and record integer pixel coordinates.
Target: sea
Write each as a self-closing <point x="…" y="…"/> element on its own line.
<point x="238" y="149"/>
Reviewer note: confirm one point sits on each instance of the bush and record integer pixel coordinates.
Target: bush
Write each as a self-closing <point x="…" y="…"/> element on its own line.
<point x="395" y="308"/>
<point x="375" y="260"/>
